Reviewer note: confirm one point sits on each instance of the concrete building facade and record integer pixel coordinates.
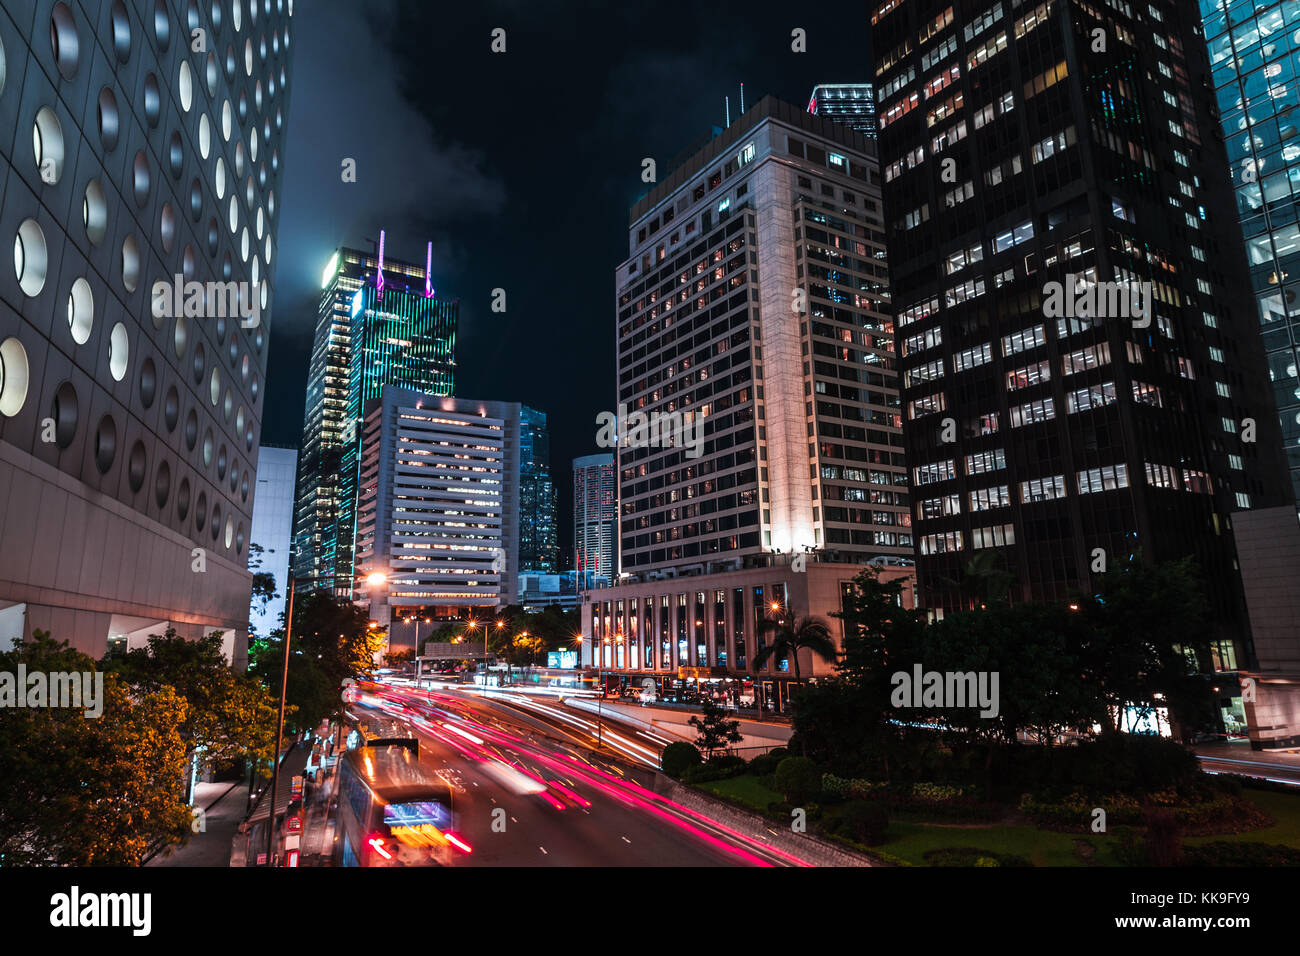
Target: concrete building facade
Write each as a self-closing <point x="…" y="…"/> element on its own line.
<point x="438" y="505"/>
<point x="131" y="163"/>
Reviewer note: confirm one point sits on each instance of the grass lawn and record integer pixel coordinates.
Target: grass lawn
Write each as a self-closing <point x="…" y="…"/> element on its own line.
<point x="909" y="840"/>
<point x="746" y="790"/>
<point x="1282" y="807"/>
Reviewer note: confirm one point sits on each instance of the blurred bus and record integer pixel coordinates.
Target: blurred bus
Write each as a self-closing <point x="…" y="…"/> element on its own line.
<point x="367" y="727"/>
<point x="392" y="810"/>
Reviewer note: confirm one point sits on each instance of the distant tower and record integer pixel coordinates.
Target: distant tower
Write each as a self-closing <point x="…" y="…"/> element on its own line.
<point x="853" y="104"/>
<point x="378" y="324"/>
<point x="595" y="518"/>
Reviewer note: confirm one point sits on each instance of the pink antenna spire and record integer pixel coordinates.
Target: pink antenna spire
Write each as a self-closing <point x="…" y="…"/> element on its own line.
<point x="428" y="267"/>
<point x="379" y="274"/>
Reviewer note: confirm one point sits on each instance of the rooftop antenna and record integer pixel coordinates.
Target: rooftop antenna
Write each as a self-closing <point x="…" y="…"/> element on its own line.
<point x="727" y="99"/>
<point x="428" y="267"/>
<point x="379" y="273"/>
<point x="742" y="99"/>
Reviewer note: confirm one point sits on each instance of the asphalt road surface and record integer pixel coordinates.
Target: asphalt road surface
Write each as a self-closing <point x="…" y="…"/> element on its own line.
<point x="531" y="790"/>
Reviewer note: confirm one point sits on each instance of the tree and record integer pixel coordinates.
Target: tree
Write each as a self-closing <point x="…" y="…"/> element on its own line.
<point x="229" y="716"/>
<point x="984" y="582"/>
<point x="263" y="581"/>
<point x="89" y="792"/>
<point x="879" y="633"/>
<point x="716" y="731"/>
<point x="1149" y="635"/>
<point x="403" y="655"/>
<point x="332" y="641"/>
<point x="787" y="640"/>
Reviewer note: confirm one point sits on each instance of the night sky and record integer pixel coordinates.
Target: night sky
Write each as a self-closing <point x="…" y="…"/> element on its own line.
<point x="520" y="167"/>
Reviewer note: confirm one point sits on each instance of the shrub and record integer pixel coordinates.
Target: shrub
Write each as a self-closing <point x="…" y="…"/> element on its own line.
<point x="972" y="856"/>
<point x="1129" y="764"/>
<point x="1162" y="839"/>
<point x="729" y="762"/>
<point x="764" y="765"/>
<point x="864" y="822"/>
<point x="798" y="778"/>
<point x="1230" y="853"/>
<point x="712" y="770"/>
<point x="678" y="757"/>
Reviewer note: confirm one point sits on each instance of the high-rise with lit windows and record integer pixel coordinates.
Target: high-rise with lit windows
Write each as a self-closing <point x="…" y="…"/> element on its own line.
<point x="1254" y="50"/>
<point x="380" y="322"/>
<point x="1083" y="378"/>
<point x="755" y="298"/>
<point x="595" y="519"/>
<point x="539" y="545"/>
<point x="852" y="104"/>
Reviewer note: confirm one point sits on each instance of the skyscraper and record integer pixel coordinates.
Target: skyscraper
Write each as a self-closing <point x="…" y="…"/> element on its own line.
<point x="851" y="104"/>
<point x="754" y="305"/>
<point x="539" y="546"/>
<point x="1253" y="53"/>
<point x="128" y="427"/>
<point x="595" y="518"/>
<point x="1080" y="378"/>
<point x="759" y="438"/>
<point x="380" y="322"/>
<point x="438" y="504"/>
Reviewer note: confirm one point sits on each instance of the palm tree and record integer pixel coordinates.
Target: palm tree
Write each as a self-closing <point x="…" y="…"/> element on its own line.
<point x="787" y="640"/>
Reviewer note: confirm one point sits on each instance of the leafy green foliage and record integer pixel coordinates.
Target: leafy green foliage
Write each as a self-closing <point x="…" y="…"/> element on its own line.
<point x="798" y="778"/>
<point x="785" y="641"/>
<point x="89" y="792"/>
<point x="864" y="822"/>
<point x="230" y="716"/>
<point x="677" y="757"/>
<point x="716" y="731"/>
<point x="332" y="641"/>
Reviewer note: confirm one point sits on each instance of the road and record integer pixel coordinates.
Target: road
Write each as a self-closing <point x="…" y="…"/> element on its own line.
<point x="533" y="791"/>
<point x="1280" y="766"/>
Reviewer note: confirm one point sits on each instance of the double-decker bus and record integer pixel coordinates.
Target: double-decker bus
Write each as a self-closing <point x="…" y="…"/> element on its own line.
<point x="392" y="810"/>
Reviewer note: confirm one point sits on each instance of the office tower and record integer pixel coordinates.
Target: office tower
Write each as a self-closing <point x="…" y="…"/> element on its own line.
<point x="127" y="426"/>
<point x="272" y="529"/>
<point x="1082" y="378"/>
<point x="759" y="435"/>
<point x="595" y="519"/>
<point x="1253" y="52"/>
<point x="438" y="504"/>
<point x="852" y="104"/>
<point x="539" y="545"/>
<point x="800" y="447"/>
<point x="379" y="322"/>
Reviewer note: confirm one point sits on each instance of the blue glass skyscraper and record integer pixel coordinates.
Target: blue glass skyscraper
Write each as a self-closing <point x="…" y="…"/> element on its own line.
<point x="1254" y="48"/>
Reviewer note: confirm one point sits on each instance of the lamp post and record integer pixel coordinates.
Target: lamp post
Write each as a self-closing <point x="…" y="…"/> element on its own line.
<point x="500" y="625"/>
<point x="374" y="578"/>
